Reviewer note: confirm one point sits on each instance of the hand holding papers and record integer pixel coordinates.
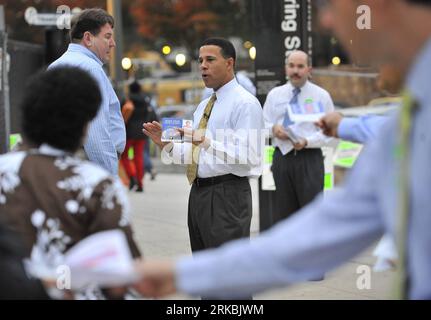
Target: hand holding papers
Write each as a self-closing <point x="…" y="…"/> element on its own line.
<point x="170" y="126"/>
<point x="298" y="133"/>
<point x="102" y="259"/>
<point x="290" y="130"/>
<point x="298" y="122"/>
<point x="293" y="136"/>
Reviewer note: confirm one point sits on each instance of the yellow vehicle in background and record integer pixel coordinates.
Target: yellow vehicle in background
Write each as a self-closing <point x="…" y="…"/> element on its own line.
<point x="175" y="91"/>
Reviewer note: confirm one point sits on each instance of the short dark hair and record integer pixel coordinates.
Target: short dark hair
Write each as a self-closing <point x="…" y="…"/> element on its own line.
<point x="135" y="87"/>
<point x="226" y="47"/>
<point x="57" y="106"/>
<point x="91" y="20"/>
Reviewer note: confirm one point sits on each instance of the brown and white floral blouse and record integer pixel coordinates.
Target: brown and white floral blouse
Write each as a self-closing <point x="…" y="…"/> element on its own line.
<point x="54" y="200"/>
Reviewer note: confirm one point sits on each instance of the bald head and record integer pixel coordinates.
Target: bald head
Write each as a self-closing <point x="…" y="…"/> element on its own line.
<point x="298" y="68"/>
<point x="299" y="54"/>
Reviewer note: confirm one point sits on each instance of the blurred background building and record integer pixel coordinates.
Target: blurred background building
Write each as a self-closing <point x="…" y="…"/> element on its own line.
<point x="160" y="40"/>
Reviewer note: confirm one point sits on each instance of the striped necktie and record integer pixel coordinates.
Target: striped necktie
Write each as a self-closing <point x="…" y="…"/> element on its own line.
<point x="192" y="169"/>
<point x="293" y="102"/>
<point x="402" y="156"/>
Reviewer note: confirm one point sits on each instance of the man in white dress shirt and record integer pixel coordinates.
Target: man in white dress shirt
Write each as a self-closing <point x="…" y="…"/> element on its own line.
<point x="228" y="152"/>
<point x="297" y="167"/>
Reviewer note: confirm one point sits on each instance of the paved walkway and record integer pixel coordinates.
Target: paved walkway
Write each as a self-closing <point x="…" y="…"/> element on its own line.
<point x="160" y="223"/>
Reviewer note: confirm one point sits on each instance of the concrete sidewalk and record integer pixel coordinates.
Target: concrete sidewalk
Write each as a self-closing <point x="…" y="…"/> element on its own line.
<point x="160" y="223"/>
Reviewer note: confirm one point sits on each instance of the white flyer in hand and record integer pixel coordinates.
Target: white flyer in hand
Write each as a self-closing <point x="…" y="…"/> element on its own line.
<point x="301" y="130"/>
<point x="292" y="135"/>
<point x="170" y="126"/>
<point x="103" y="259"/>
<point x="310" y="111"/>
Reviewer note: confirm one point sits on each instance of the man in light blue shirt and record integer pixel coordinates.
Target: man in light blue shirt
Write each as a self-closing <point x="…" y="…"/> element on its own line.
<point x="335" y="228"/>
<point x="362" y="130"/>
<point x="92" y="41"/>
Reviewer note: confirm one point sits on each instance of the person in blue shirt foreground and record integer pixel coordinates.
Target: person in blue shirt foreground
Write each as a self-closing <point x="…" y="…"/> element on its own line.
<point x="362" y="130"/>
<point x="333" y="229"/>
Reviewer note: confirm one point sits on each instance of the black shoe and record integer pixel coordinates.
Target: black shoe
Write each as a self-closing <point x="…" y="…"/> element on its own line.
<point x="318" y="278"/>
<point x="139" y="189"/>
<point x="153" y="174"/>
<point x="132" y="183"/>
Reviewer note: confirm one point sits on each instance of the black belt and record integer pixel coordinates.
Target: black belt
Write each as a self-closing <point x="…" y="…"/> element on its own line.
<point x="203" y="182"/>
<point x="294" y="151"/>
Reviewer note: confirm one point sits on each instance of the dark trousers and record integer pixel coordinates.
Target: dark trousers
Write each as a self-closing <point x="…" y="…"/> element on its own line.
<point x="298" y="177"/>
<point x="148" y="165"/>
<point x="219" y="213"/>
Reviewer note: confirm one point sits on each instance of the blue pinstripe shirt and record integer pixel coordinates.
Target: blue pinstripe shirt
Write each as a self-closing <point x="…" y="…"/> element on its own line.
<point x="106" y="134"/>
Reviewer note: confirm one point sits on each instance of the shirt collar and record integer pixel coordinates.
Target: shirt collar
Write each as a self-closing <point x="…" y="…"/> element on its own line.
<point x="51" y="151"/>
<point x="74" y="47"/>
<point x="291" y="88"/>
<point x="224" y="90"/>
<point x="417" y="80"/>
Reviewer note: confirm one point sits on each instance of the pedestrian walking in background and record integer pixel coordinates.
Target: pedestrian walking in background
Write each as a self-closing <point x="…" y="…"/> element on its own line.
<point x="136" y="140"/>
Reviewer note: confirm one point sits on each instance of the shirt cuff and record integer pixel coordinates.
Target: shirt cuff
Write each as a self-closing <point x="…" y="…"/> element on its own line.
<point x="212" y="147"/>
